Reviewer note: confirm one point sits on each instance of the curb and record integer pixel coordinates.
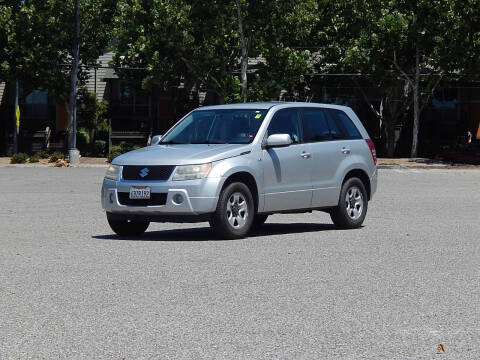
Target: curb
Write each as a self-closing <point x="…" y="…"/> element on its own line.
<point x="392" y="167"/>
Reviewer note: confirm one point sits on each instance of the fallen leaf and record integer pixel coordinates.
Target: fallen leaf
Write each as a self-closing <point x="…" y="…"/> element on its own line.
<point x="440" y="348"/>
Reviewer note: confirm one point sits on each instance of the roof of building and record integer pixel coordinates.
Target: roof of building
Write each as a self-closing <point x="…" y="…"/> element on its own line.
<point x="102" y="73"/>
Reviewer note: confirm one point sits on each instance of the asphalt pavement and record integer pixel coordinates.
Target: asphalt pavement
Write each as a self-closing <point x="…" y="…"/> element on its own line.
<point x="297" y="289"/>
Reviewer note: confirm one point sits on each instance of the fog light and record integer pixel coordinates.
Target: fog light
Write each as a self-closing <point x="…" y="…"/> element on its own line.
<point x="178" y="199"/>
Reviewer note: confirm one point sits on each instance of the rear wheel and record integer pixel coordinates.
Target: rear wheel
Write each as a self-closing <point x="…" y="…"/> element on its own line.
<point x="352" y="205"/>
<point x="235" y="211"/>
<point x="127" y="227"/>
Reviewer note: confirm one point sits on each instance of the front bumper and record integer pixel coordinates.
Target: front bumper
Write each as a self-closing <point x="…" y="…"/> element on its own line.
<point x="199" y="196"/>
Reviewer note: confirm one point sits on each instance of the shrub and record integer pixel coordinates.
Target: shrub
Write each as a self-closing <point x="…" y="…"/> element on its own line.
<point x="57" y="155"/>
<point x="99" y="147"/>
<point x="34" y="158"/>
<point x="42" y="155"/>
<point x="121" y="149"/>
<point x="83" y="139"/>
<point x="125" y="147"/>
<point x="20" y="158"/>
<point x="114" y="152"/>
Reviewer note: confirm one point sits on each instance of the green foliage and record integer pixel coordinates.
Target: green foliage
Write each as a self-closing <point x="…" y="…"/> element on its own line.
<point x="34" y="158"/>
<point x="156" y="35"/>
<point x="83" y="139"/>
<point x="42" y="155"/>
<point x="92" y="112"/>
<point x="117" y="150"/>
<point x="19" y="158"/>
<point x="99" y="148"/>
<point x="406" y="48"/>
<point x="200" y="42"/>
<point x="114" y="152"/>
<point x="57" y="155"/>
<point x="36" y="41"/>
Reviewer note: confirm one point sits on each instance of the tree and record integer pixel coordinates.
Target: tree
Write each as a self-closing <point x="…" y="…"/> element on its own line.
<point x="416" y="43"/>
<point x="54" y="54"/>
<point x="92" y="114"/>
<point x="211" y="43"/>
<point x="38" y="42"/>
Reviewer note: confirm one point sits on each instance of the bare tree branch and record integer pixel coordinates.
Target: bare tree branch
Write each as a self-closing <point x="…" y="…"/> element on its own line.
<point x="191" y="66"/>
<point x="431" y="88"/>
<point x="404" y="74"/>
<point x="365" y="97"/>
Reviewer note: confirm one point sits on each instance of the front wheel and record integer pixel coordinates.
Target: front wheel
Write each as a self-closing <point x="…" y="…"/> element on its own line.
<point x="235" y="212"/>
<point x="127" y="227"/>
<point x="352" y="205"/>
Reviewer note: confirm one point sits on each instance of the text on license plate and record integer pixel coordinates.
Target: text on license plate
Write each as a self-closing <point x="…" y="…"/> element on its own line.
<point x="140" y="192"/>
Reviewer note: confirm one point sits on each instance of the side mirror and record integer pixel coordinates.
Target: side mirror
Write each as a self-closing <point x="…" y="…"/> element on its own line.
<point x="156" y="139"/>
<point x="278" y="140"/>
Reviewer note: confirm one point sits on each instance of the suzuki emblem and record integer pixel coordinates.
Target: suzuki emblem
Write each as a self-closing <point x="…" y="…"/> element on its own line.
<point x="143" y="172"/>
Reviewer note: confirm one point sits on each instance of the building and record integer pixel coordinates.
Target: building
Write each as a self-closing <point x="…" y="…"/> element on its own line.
<point x="135" y="114"/>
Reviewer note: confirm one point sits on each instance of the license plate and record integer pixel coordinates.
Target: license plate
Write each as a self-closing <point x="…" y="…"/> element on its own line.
<point x="140" y="192"/>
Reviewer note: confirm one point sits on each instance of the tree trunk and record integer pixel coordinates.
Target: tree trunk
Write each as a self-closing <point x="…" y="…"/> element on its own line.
<point x="92" y="140"/>
<point x="244" y="58"/>
<point x="416" y="106"/>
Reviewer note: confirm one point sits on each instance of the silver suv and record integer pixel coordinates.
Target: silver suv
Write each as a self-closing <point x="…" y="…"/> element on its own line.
<point x="233" y="165"/>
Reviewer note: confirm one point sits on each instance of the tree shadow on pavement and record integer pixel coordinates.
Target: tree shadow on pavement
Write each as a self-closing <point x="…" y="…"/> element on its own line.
<point x="205" y="233"/>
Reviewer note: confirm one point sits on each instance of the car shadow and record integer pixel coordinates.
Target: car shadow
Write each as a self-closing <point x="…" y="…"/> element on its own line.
<point x="205" y="233"/>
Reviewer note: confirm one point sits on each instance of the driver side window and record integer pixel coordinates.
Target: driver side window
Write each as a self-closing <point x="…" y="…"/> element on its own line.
<point x="286" y="121"/>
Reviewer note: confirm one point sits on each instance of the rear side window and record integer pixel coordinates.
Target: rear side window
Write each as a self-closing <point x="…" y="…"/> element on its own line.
<point x="345" y="125"/>
<point x="335" y="131"/>
<point x="316" y="126"/>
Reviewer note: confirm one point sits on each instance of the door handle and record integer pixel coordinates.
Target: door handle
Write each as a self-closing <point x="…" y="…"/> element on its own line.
<point x="305" y="155"/>
<point x="345" y="150"/>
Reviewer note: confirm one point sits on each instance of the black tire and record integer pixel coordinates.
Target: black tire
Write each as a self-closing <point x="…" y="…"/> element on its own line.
<point x="127" y="227"/>
<point x="259" y="220"/>
<point x="350" y="213"/>
<point x="228" y="214"/>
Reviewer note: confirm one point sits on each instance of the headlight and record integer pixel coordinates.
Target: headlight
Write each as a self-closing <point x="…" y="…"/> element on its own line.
<point x="191" y="172"/>
<point x="113" y="172"/>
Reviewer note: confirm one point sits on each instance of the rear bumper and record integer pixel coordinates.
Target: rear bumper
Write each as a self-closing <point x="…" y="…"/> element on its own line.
<point x="373" y="183"/>
<point x="199" y="197"/>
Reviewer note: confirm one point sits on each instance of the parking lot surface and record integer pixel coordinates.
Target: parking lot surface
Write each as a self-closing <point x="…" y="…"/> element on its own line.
<point x="297" y="289"/>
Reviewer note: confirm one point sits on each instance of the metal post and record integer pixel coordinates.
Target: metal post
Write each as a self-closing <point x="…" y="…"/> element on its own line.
<point x="74" y="154"/>
<point x="15" y="122"/>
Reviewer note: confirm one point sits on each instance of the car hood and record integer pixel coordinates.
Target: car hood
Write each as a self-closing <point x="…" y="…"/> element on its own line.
<point x="185" y="154"/>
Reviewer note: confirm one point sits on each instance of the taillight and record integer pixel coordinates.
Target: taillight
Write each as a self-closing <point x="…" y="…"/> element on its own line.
<point x="371" y="146"/>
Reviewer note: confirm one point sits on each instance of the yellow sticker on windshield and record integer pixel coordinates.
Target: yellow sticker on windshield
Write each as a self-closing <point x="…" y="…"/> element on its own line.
<point x="258" y="116"/>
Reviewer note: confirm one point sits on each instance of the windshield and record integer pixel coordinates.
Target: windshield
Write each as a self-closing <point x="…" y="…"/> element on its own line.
<point x="233" y="126"/>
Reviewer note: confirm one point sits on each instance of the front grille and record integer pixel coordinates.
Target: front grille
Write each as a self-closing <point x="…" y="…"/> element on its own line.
<point x="154" y="172"/>
<point x="156" y="199"/>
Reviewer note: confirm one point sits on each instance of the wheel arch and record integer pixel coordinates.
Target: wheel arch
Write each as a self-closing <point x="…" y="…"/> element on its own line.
<point x="362" y="175"/>
<point x="249" y="180"/>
